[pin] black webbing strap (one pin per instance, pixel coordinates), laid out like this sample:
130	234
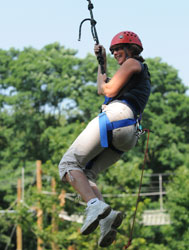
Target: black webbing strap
94	35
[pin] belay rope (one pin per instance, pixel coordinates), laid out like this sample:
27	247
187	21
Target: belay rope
101	63
94	35
139	191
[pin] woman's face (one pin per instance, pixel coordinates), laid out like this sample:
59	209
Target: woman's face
119	54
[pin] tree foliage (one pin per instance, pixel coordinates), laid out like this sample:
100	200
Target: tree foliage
47	97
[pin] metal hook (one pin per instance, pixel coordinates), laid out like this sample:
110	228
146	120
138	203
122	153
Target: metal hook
80	26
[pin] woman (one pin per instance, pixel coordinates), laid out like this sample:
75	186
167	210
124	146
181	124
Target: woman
109	135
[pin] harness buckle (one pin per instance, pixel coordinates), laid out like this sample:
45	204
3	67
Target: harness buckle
139	130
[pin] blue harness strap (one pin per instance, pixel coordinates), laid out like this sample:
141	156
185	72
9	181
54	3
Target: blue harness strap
107	99
105	126
103	121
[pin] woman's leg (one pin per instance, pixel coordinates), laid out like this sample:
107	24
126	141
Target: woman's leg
97	192
103	161
110	223
85	148
96	209
80	183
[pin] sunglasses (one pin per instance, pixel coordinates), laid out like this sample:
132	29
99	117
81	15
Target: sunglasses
116	49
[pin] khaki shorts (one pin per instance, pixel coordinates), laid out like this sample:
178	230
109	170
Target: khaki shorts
87	145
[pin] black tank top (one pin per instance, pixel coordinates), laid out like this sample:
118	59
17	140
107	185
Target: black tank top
137	91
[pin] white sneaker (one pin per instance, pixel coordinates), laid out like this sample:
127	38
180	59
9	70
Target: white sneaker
108	228
94	213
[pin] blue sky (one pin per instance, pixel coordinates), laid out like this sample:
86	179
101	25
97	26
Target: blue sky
162	26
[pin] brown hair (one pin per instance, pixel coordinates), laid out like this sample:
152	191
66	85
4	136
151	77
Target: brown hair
135	51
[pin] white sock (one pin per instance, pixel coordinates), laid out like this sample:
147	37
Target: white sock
92	201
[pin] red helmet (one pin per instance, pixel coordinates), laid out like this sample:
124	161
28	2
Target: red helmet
126	37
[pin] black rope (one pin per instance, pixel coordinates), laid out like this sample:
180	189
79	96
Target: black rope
94	35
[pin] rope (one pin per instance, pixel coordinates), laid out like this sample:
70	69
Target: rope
138	197
12	233
94	35
8	209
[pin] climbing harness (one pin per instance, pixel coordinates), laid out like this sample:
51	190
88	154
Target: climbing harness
94	35
105	126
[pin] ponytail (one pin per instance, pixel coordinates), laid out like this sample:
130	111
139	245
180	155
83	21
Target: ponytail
135	51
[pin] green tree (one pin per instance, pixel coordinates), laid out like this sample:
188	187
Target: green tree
47	97
177	235
166	116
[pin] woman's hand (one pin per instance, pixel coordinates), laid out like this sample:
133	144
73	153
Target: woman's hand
101	79
98	48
